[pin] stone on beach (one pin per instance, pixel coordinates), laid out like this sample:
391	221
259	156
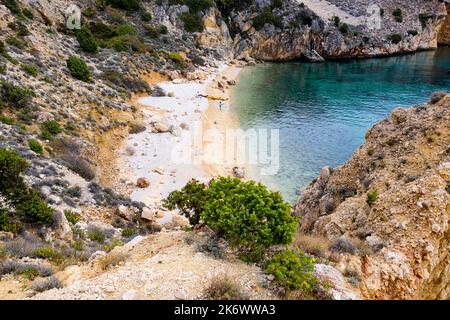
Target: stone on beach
143	183
160	127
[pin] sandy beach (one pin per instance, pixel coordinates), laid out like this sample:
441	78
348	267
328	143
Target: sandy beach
191	113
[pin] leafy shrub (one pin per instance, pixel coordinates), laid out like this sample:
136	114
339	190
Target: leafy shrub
2	68
7	120
96	234
11	166
49	129
293	270
190	200
146	16
86	40
342	245
372	197
71	216
129	5
129	232
13	41
395	38
266	16
224	288
343	28
35	146
78	69
34	209
102	31
13	6
246	213
398	15
336	20
30	70
30	270
4	218
46	284
15	96
49	253
191	22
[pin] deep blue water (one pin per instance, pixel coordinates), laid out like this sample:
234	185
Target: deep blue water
323	110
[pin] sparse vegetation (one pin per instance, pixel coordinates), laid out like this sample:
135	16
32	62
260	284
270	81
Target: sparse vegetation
293	270
78	69
41	285
398	15
35	146
112	259
224	288
372	197
71	216
86	40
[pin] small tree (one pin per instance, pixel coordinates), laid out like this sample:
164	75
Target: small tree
86	40
78	69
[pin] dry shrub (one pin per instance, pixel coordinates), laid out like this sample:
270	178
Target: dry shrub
135	128
112	259
224	288
312	244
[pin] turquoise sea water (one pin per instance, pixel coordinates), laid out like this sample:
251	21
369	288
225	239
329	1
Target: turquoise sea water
324	110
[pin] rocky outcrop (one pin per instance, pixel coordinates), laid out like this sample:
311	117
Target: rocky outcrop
444	32
294	31
391	201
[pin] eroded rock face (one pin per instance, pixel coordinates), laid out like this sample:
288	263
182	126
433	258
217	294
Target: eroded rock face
300	32
393	197
444	32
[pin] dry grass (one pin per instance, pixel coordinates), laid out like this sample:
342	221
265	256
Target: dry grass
112	259
224	288
312	244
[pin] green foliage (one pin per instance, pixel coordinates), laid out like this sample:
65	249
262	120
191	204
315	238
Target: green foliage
13	41
2	68
15	96
35	146
190	200
30	69
413	33
49	253
293	270
246	213
129	232
7	120
13	6
128	5
71	216
11	166
86	40
343	28
78	69
372	197
96	234
191	21
33	209
49	129
395	38
336	20
398	15
266	16
4	218
146	16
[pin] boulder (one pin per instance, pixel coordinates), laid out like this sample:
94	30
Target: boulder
148	214
238	172
160	127
143	183
61	226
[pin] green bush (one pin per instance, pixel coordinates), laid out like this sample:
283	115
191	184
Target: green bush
146	16
266	16
34	209
395	38
191	22
12	6
293	270
246	213
27	13
78	69
51	127
128	5
71	216
11	166
96	234
336	20
4	218
398	15
35	146
30	69
343	28
15	96
13	41
372	197
2	68
7	120
129	232
49	253
86	40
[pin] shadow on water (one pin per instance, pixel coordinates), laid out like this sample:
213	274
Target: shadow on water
323	110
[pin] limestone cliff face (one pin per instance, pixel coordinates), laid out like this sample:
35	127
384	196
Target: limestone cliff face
444	33
293	31
392	201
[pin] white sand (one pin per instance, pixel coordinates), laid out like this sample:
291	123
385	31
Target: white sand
162	150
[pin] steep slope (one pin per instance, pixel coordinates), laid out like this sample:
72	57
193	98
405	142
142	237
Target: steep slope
391	201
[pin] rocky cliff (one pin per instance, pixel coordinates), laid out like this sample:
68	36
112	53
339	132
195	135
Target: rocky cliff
388	207
444	33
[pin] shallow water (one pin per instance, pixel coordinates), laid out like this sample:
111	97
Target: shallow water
324	110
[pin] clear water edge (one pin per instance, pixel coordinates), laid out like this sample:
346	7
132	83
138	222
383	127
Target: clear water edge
323	110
